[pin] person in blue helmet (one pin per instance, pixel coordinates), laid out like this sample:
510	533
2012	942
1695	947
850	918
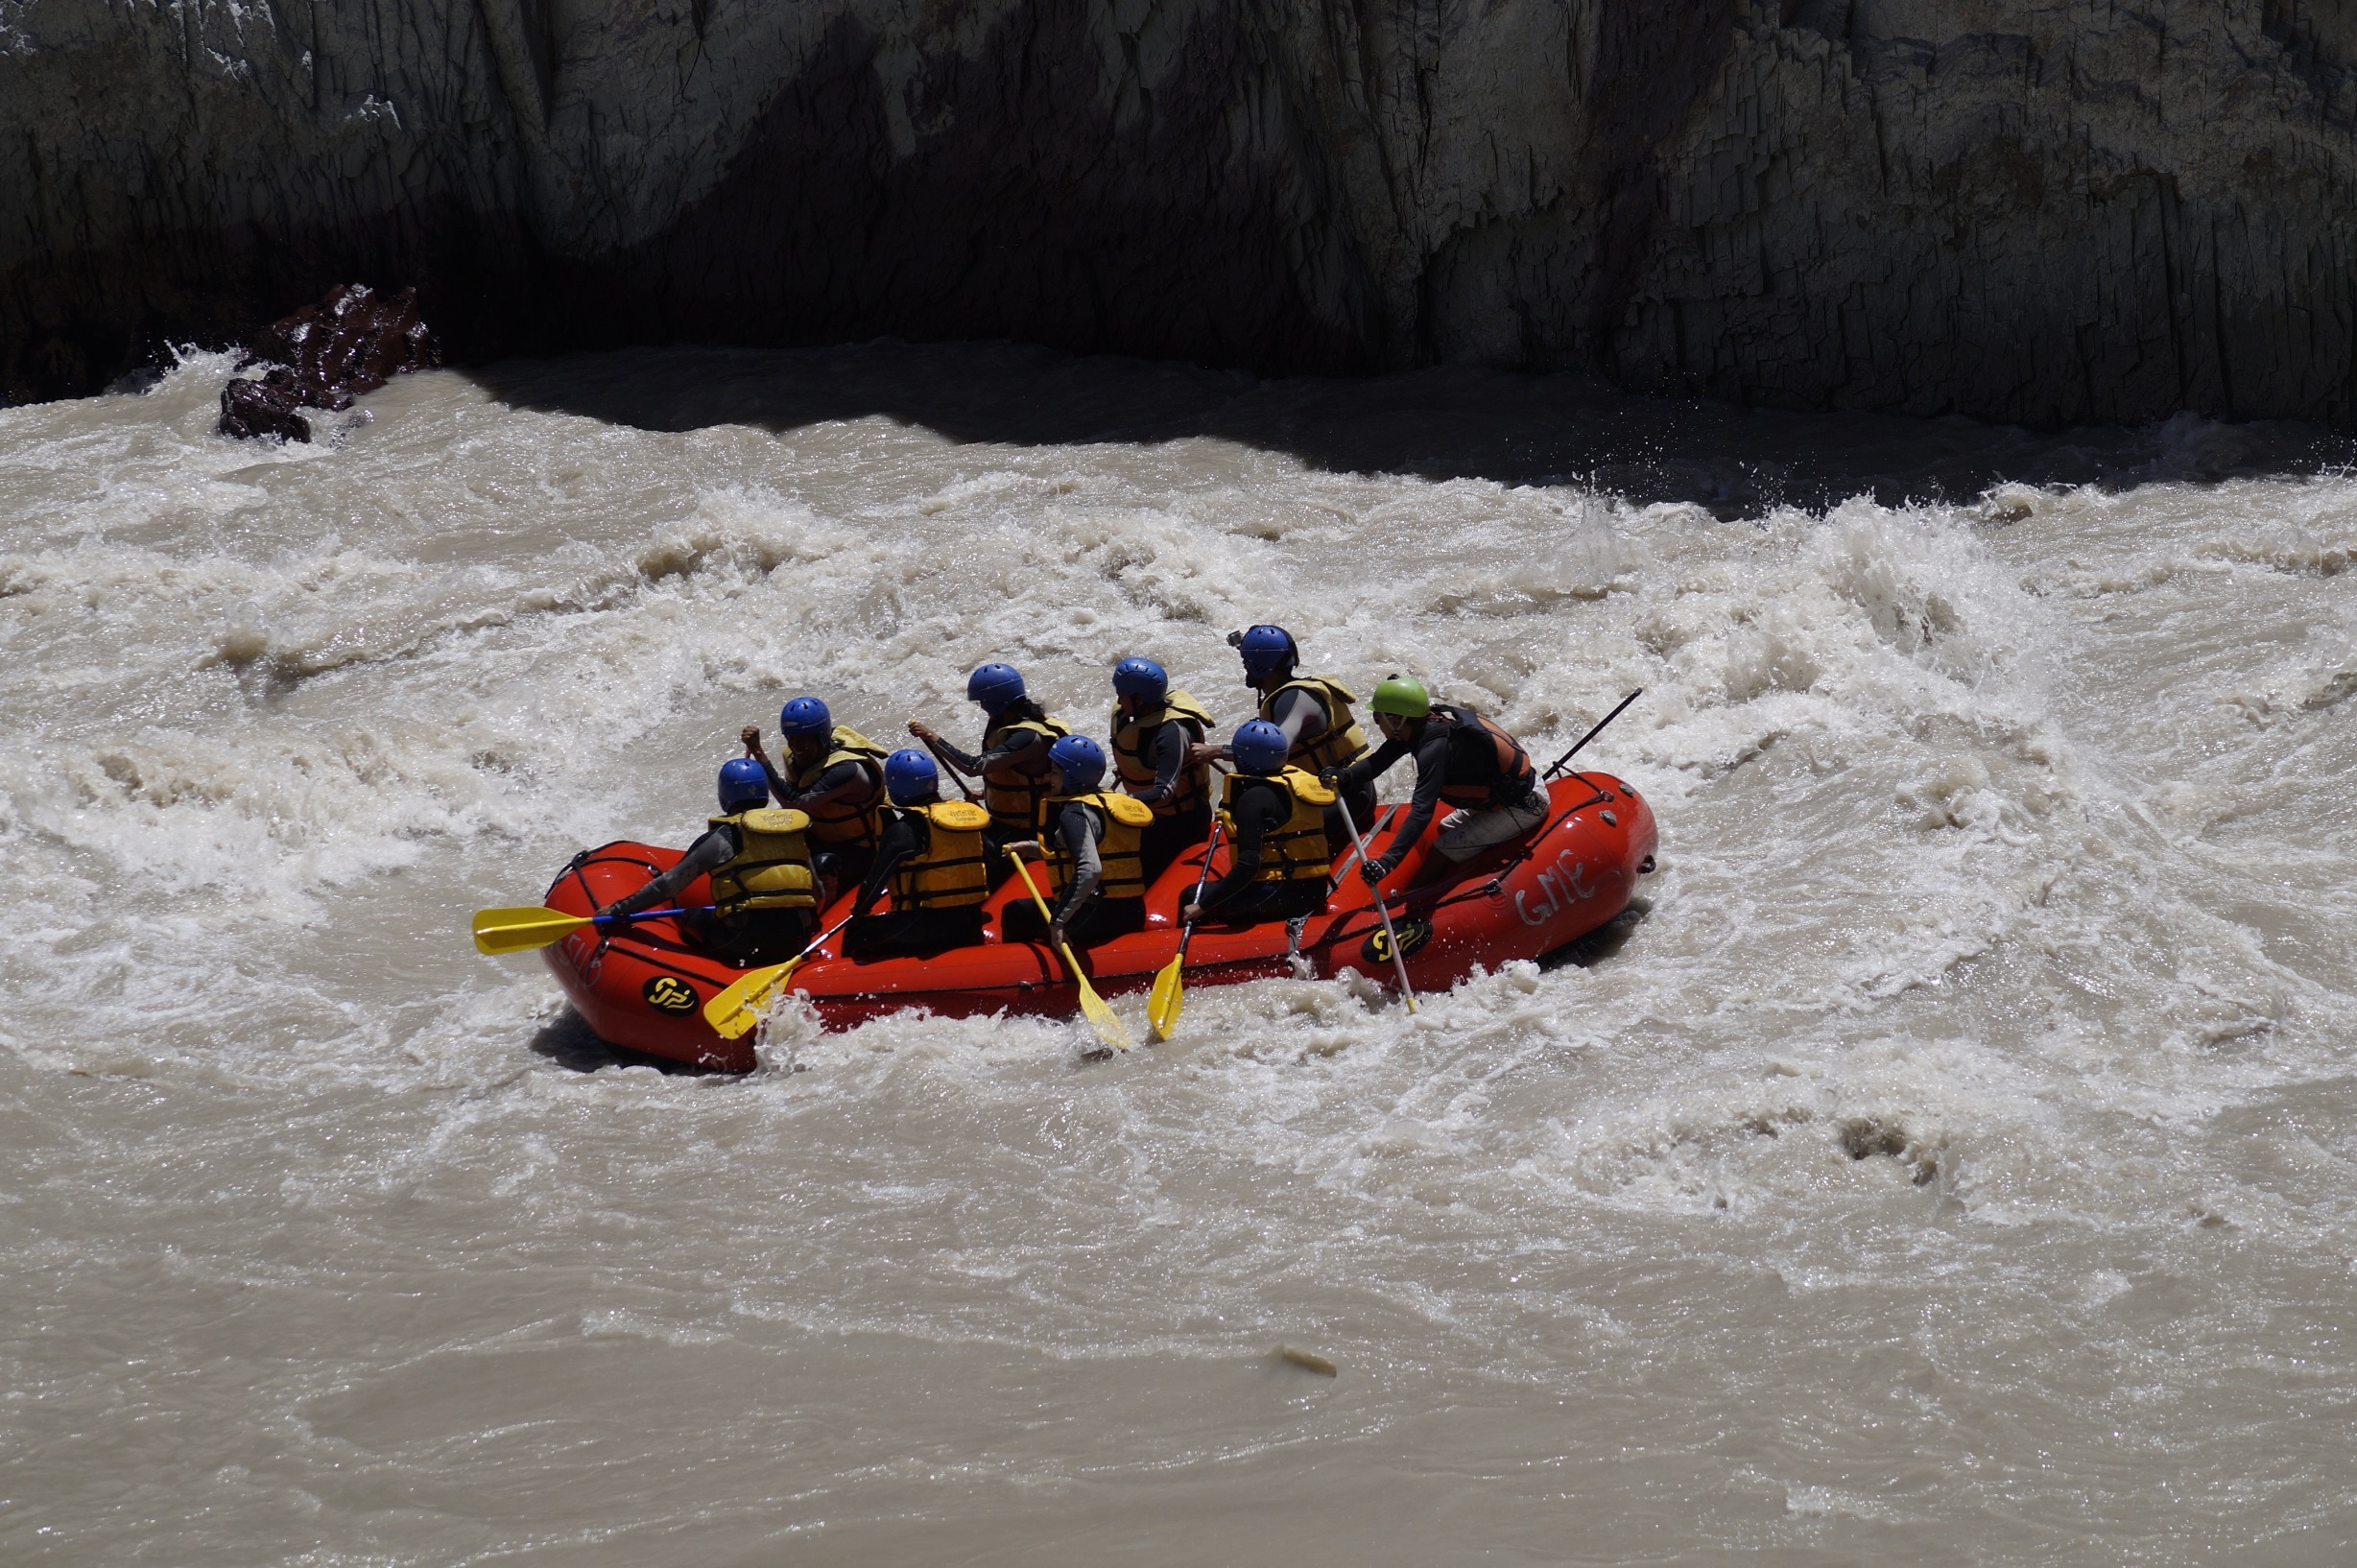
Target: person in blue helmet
764	889
1012	764
1154	730
1088	846
1274	818
836	774
932	858
1315	713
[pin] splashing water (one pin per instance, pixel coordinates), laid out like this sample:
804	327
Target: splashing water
1954	1162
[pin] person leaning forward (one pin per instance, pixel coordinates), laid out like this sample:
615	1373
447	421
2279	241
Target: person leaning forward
1154	730
1274	819
836	774
1461	758
1320	734
758	858
1088	846
932	856
1012	764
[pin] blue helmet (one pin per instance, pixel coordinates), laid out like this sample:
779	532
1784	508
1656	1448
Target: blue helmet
1081	762
1267	649
909	775
1142	678
996	686
743	785
804	716
1259	747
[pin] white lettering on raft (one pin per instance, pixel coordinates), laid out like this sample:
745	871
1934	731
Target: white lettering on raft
1573	887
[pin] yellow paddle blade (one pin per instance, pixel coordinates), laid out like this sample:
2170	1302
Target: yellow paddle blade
736	1009
1168	996
1109	1028
523	928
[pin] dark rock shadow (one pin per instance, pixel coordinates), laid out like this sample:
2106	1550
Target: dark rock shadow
1454	423
571	1044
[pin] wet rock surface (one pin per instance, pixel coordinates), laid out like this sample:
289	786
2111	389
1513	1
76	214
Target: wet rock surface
2045	212
324	355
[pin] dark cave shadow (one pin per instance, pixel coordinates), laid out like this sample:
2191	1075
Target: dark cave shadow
1454	423
568	1042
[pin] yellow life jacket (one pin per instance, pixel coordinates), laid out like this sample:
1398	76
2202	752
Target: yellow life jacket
772	867
949	874
1296	852
845	822
1133	751
1014	793
1340	743
1124	872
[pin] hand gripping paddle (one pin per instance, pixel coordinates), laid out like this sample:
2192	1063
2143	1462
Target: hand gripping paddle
1168	995
1109	1028
738	1009
523	927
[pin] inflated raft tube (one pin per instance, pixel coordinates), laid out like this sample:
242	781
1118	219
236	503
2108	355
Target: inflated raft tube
644	986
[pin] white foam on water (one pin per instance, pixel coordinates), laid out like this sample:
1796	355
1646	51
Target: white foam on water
1986	1009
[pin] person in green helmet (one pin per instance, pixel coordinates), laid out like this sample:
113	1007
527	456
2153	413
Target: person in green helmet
1461	759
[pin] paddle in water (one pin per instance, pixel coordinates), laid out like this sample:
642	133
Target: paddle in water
1109	1028
520	928
736	1009
1169	996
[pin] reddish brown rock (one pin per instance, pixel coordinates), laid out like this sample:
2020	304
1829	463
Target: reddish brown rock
324	356
268	407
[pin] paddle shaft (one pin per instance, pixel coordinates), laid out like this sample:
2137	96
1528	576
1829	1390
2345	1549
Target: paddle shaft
1072	965
1050	918
1566	757
1399	959
1048	915
1351	859
1211	847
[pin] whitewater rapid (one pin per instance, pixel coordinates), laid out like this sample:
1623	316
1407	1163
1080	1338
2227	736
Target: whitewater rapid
1952	1162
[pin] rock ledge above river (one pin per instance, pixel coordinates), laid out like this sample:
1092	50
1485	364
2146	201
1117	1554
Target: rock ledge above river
2053	213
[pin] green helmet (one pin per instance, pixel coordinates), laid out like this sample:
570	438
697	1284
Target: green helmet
1401	698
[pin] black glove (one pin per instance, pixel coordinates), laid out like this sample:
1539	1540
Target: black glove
1375	870
1331	778
614	914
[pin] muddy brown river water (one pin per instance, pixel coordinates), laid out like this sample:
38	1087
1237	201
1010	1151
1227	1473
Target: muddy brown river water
1955	1163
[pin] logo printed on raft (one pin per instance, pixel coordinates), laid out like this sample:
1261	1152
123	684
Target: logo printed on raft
1564	886
1413	935
664	995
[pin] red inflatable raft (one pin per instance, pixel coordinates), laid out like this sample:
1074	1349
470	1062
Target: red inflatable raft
644	987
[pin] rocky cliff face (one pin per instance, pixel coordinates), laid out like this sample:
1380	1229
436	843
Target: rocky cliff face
2042	210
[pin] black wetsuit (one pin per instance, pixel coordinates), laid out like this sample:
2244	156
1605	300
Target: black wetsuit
1170	836
1259	807
1447	752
